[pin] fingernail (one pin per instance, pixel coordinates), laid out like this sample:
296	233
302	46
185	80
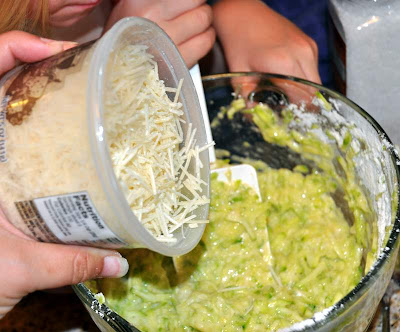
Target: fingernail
114	266
57	46
48	41
68	44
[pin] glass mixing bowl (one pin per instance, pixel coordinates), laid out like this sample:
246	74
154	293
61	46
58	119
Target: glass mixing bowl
376	168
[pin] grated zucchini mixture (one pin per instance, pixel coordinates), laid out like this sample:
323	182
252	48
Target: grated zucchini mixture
260	266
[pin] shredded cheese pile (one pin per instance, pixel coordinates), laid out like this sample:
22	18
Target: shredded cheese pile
151	158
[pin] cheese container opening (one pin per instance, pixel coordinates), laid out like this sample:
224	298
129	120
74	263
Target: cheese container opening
104	145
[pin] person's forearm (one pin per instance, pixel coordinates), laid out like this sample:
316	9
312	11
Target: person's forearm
237	18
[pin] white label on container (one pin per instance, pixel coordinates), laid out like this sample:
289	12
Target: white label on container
73	219
3	109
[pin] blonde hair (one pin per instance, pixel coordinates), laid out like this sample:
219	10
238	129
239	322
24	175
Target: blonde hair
24	15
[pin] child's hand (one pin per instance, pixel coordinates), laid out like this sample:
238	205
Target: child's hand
187	22
256	38
27	265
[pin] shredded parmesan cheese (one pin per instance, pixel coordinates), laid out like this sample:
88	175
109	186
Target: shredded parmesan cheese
150	155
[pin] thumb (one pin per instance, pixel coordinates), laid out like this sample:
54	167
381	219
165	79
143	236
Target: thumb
21	46
56	265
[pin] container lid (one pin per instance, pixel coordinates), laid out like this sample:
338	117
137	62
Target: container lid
172	69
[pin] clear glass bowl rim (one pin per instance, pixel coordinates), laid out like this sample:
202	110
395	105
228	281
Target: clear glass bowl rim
357	292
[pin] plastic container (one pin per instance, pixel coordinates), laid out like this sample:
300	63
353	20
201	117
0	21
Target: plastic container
57	181
365	57
354	311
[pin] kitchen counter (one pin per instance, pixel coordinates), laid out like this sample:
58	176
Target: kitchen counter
62	311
